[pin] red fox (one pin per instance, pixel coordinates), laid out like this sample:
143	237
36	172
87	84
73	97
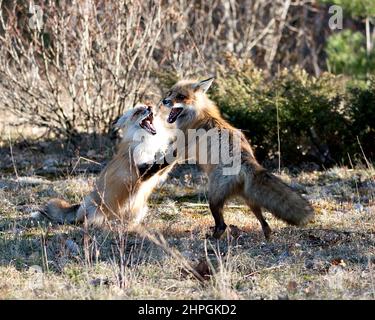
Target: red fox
190	108
122	190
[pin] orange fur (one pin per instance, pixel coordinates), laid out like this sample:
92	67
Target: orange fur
192	109
120	192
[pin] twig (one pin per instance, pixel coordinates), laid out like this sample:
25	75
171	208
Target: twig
11	154
262	270
79	159
369	166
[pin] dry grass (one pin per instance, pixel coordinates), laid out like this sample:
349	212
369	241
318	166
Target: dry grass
332	258
171	258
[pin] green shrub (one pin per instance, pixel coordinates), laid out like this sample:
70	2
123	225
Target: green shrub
346	54
361	103
356	8
310	119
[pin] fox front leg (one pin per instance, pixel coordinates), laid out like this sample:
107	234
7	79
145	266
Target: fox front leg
220	188
147	170
217	208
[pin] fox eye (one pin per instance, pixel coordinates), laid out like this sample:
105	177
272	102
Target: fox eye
138	112
180	96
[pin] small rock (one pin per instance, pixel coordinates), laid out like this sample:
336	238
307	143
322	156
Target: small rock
35	215
35	269
358	207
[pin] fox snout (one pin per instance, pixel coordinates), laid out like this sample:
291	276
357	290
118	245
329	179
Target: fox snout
176	107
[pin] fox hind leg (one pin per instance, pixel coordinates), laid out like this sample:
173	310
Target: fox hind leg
257	210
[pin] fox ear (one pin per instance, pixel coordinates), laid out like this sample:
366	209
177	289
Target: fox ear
204	85
120	123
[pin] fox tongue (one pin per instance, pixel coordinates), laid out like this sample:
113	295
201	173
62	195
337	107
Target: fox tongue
173	115
150	126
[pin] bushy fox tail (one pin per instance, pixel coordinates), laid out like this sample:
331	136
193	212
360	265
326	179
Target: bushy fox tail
60	211
271	193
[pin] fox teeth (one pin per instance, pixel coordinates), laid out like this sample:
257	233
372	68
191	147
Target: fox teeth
174	114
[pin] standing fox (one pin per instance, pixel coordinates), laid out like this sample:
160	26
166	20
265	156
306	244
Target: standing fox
123	187
190	108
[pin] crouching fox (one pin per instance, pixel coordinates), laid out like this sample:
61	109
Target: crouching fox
124	185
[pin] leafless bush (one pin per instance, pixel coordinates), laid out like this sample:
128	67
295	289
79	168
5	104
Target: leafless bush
80	66
198	33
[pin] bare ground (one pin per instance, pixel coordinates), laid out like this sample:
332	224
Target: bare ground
331	258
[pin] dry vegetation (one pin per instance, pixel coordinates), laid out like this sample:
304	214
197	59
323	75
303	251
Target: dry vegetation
76	67
77	75
332	258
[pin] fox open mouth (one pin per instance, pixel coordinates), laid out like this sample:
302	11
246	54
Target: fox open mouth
147	125
173	115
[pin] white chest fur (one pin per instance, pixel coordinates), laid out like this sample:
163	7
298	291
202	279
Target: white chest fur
146	147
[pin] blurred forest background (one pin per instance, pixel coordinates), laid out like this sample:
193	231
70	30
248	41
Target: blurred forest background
297	87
